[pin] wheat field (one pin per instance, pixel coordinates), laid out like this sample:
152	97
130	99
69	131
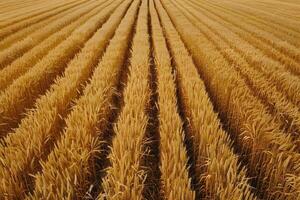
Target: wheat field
150	99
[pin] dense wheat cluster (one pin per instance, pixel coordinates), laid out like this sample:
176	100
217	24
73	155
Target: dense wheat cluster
150	99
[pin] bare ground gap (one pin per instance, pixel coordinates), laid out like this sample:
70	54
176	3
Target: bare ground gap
151	160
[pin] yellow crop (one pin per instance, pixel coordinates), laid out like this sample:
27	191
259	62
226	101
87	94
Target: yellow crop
22	91
175	181
131	126
150	99
69	167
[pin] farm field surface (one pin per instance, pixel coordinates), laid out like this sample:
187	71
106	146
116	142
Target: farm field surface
150	99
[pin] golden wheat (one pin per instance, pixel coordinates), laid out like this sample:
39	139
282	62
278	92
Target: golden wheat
290	24
210	141
24	90
285	81
273	46
68	169
130	128
48	110
175	180
30	58
256	132
150	99
40	22
17	17
277	103
280	31
16	36
18	48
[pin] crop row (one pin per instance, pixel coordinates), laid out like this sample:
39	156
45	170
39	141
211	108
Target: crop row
269	153
149	99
